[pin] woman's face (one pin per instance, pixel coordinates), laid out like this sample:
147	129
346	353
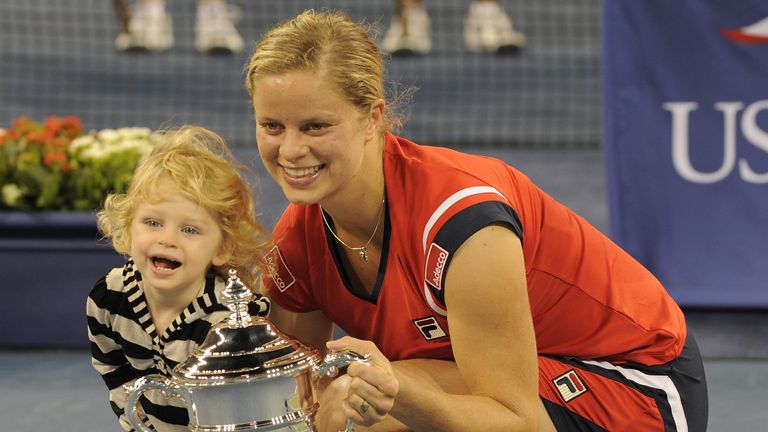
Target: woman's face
312	140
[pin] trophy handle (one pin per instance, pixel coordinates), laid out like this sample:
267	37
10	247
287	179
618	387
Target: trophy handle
333	362
338	359
141	385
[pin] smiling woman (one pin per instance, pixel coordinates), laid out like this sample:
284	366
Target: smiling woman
472	255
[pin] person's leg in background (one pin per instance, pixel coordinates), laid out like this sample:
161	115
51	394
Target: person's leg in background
150	28
487	29
409	31
215	30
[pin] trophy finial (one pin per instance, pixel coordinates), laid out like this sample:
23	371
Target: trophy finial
236	297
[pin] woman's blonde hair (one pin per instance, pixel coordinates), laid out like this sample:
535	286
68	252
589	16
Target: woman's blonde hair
200	165
329	43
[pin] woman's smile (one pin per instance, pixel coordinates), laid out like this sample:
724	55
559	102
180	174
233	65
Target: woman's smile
311	139
302	177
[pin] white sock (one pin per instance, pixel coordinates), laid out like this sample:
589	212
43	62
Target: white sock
212	9
153	8
484	8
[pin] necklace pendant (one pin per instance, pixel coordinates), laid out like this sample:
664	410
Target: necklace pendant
363	254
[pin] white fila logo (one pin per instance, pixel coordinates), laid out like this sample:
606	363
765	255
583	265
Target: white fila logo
569	385
430	328
433	270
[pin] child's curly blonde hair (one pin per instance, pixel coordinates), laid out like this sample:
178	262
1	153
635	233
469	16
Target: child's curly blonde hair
199	163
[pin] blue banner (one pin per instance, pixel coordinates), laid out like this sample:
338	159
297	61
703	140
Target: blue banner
686	144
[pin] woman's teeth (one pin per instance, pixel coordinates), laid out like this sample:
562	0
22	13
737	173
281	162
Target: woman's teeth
301	172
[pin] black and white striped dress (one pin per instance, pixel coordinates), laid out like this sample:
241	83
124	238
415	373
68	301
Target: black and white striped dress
126	346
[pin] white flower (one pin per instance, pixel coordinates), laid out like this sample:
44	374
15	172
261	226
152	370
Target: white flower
108	143
11	194
135	132
79	143
107	135
94	152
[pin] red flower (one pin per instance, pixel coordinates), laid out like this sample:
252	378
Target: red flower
59	141
68	126
54	158
53	125
41	137
23	126
12	135
73	126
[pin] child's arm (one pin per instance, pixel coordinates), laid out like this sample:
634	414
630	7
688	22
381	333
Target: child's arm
106	353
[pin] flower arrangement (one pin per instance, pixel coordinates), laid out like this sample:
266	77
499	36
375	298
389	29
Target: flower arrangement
34	162
57	166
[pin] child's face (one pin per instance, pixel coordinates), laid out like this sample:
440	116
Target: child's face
174	242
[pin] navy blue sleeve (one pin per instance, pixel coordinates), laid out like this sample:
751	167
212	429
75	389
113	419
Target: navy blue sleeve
467	222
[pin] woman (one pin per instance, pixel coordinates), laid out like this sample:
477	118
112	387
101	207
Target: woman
485	304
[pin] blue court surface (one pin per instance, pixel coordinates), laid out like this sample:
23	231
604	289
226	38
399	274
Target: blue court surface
58	391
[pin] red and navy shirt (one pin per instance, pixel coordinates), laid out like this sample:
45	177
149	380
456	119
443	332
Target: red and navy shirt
588	297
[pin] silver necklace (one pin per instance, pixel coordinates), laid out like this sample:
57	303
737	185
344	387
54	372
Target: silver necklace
362	250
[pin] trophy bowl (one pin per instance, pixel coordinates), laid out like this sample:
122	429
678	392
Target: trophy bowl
245	376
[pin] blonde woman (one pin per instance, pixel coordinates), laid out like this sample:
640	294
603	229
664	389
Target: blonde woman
485	304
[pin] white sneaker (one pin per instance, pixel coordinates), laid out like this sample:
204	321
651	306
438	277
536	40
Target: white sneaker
146	32
409	33
215	32
488	29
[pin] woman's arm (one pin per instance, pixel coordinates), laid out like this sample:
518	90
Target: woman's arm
435	375
432	376
311	328
493	344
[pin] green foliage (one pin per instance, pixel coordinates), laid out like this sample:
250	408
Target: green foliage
55	166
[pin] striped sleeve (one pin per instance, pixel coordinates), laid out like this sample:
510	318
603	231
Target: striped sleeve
107	354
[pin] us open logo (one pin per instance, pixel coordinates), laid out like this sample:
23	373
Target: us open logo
569	385
433	271
430	328
278	271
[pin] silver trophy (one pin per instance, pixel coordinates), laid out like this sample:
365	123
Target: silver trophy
245	376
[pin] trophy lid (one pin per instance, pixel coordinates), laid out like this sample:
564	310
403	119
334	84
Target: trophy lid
243	347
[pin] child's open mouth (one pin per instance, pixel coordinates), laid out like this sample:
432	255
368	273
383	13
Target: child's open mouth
165	263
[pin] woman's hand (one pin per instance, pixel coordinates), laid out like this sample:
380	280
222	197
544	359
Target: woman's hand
331	417
370	388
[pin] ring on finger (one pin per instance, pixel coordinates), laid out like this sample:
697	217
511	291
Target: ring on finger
364	407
